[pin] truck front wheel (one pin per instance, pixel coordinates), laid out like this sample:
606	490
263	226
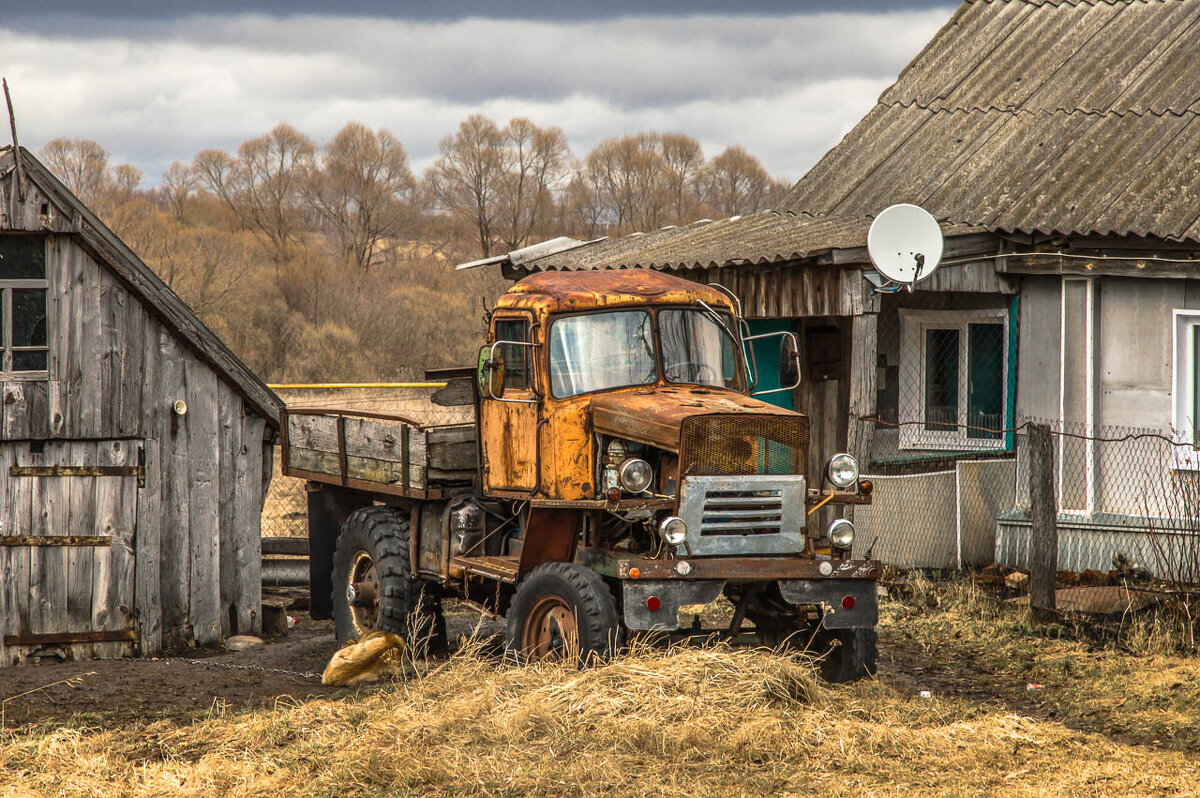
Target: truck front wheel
563	611
374	589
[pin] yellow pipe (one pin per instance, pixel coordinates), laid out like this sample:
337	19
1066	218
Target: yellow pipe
821	503
298	386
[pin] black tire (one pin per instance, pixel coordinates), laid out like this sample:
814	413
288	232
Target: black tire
849	654
374	542
578	595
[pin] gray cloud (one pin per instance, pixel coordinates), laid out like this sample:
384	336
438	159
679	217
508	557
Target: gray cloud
88	11
785	87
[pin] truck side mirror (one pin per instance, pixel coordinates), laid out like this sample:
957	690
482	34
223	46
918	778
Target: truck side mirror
789	362
490	373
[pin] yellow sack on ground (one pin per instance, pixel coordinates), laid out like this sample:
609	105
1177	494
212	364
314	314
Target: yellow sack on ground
375	656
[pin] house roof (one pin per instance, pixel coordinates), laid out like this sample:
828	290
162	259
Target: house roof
760	238
1035	116
143	283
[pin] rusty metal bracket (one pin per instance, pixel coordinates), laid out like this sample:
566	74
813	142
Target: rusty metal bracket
55	540
77	471
58	638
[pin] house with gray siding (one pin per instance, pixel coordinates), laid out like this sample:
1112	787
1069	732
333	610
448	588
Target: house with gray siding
135	448
1058	145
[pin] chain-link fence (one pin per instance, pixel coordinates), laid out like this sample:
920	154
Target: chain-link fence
285	511
1126	504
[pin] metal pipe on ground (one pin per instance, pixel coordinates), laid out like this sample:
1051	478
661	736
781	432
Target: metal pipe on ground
284	571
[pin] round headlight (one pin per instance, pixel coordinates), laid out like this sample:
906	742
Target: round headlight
673	530
841	533
842	470
635	475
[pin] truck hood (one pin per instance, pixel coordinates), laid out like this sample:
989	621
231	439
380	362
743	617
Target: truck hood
655	415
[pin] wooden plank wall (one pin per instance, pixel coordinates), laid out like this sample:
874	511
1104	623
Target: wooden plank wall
115	372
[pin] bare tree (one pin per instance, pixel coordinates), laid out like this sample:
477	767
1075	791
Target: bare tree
124	181
178	184
469	176
535	161
362	192
82	165
738	184
582	206
683	167
630	179
262	185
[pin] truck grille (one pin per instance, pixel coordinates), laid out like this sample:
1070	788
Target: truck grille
743	514
718	445
737	512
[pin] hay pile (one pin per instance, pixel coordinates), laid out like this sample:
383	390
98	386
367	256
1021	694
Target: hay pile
686	721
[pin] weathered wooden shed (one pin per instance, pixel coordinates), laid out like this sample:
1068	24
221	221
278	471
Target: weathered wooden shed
135	447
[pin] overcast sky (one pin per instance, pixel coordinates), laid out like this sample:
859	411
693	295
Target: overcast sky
153	84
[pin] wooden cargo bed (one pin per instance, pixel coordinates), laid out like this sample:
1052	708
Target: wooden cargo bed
376	452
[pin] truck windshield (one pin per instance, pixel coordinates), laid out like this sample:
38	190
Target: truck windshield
600	351
696	350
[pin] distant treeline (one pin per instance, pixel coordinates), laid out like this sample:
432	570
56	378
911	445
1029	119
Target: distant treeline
336	262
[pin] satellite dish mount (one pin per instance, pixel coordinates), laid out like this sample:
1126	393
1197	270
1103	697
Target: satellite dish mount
905	245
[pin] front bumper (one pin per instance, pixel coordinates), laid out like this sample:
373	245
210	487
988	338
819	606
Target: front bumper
747	569
801	580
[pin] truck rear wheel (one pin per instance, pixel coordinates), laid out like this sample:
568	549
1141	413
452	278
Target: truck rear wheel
849	654
563	611
374	589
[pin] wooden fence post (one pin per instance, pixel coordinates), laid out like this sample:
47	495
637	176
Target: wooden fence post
1044	516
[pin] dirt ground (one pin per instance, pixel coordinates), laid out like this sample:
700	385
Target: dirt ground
185	686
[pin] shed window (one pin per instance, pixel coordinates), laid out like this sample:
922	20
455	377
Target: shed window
23	290
953	379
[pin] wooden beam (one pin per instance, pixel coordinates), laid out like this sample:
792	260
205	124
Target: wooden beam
1044	515
55	540
863	385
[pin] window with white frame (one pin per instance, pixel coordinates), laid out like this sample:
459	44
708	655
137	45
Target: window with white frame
23	319
1185	387
953	379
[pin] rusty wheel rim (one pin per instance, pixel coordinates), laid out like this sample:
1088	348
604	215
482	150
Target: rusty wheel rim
551	630
362	594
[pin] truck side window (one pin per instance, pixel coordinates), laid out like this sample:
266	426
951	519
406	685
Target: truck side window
516	358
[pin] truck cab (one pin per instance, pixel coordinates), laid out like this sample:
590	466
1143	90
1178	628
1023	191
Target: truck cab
624	472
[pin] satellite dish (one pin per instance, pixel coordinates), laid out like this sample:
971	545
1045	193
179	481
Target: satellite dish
905	243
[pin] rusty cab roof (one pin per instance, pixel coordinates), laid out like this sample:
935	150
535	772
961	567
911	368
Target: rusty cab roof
567	292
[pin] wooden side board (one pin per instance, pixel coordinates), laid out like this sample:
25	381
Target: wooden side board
395	453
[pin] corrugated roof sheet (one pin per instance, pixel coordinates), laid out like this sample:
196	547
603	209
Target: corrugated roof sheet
766	237
1070	117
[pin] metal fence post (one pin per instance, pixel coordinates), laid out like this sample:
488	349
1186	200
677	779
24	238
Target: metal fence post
1044	515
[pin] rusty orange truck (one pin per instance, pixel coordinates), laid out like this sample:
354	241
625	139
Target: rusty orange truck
618	469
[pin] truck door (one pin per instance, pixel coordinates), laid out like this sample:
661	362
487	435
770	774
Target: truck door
508	423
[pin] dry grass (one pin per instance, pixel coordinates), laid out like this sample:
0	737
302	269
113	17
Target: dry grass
1135	687
687	721
683	721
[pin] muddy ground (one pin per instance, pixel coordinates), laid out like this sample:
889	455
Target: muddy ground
198	682
188	685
